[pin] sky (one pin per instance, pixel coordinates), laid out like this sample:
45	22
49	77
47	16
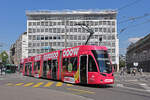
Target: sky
133	17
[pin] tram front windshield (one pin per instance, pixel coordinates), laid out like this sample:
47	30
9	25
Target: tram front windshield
103	61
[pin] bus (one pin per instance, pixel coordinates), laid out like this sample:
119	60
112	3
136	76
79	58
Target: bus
85	64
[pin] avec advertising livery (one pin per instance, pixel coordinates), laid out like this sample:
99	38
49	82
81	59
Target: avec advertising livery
85	64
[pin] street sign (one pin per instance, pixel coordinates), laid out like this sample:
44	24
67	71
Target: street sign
135	64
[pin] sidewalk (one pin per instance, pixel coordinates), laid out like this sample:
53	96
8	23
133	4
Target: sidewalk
128	77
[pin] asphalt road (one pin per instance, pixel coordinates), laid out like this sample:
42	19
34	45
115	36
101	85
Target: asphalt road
18	87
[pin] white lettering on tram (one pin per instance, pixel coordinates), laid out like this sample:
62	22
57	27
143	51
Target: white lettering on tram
51	56
70	52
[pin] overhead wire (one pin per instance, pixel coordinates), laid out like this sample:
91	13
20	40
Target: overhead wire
129	4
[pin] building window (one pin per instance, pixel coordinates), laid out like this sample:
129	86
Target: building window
30	44
38	30
38	23
42	30
42	37
46	23
113	29
34	23
46	43
46	30
46	37
30	37
50	37
38	37
42	23
30	23
30	30
42	43
34	37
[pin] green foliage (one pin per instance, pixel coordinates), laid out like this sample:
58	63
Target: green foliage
4	57
121	63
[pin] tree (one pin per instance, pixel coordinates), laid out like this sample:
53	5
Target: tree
121	61
4	57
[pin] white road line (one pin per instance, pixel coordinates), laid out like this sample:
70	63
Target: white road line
119	85
147	89
145	86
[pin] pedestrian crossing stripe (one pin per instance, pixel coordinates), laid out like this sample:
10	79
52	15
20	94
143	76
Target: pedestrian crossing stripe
48	84
38	84
18	84
28	84
9	84
59	84
69	84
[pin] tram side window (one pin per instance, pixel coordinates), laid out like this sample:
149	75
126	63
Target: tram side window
92	65
30	66
70	64
45	66
49	65
26	65
37	66
55	63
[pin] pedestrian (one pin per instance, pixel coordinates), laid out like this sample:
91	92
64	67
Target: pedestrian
122	71
141	71
134	71
1	69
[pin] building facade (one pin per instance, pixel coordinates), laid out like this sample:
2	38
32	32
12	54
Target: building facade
19	50
55	30
139	54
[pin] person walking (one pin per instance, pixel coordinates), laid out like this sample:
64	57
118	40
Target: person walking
141	71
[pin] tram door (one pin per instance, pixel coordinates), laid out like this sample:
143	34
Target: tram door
54	69
83	69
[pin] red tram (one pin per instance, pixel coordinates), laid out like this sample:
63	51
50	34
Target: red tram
85	64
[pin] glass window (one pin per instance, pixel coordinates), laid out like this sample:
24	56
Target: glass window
45	68
37	67
50	37
30	30
91	64
38	30
42	30
46	23
38	23
46	37
34	37
42	37
102	60
46	30
30	44
30	23
30	37
70	64
38	37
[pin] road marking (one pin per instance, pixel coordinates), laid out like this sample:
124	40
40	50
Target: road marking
119	85
145	86
38	84
82	91
59	84
28	84
18	84
9	84
69	84
48	84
